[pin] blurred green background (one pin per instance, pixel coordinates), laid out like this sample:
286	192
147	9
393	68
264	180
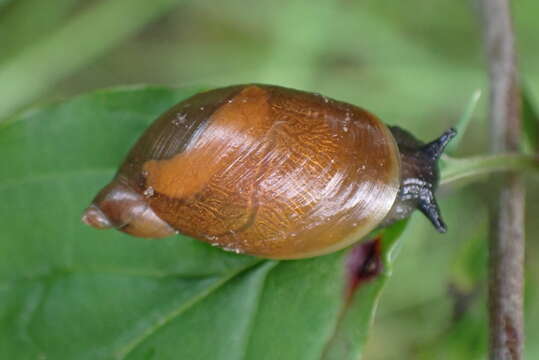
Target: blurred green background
414	63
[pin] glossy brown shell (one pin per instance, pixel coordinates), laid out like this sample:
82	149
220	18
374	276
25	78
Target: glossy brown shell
267	171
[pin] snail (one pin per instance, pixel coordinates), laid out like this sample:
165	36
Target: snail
271	172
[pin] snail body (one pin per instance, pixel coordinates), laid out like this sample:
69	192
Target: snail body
270	171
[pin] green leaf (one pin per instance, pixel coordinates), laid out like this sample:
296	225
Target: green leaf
530	121
44	17
464	121
34	70
358	313
68	291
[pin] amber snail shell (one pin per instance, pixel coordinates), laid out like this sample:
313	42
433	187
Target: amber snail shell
270	171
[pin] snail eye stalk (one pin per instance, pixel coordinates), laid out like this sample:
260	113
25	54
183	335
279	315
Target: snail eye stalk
436	148
429	208
427	204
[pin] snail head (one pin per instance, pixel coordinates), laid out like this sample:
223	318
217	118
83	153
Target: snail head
419	177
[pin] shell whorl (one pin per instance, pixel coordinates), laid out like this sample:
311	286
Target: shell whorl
268	171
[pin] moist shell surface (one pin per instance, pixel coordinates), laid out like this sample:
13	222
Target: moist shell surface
267	171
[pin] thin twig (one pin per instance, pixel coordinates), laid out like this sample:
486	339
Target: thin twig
507	222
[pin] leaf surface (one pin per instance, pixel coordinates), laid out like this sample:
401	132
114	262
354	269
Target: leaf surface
68	291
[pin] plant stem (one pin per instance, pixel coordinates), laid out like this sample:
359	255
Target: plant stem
506	261
469	168
81	40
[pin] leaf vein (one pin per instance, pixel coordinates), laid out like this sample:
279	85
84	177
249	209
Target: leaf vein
136	341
